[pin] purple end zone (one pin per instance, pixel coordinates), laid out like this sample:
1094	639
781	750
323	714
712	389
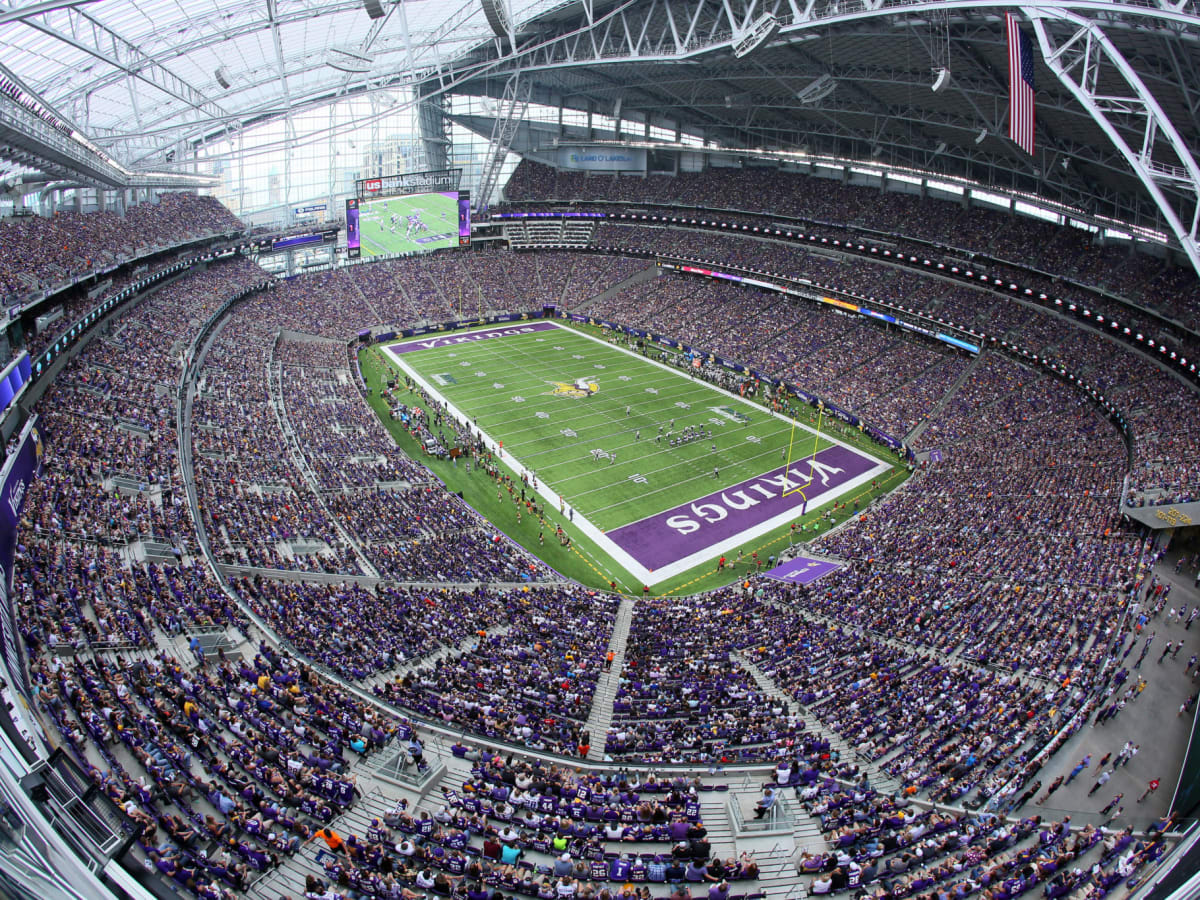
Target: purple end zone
691	527
803	570
432	341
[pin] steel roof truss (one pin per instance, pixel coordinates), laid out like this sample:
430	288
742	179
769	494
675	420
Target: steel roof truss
1078	62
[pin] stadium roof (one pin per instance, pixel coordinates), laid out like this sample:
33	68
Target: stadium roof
137	76
1118	84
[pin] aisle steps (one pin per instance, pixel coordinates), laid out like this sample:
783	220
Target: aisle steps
600	718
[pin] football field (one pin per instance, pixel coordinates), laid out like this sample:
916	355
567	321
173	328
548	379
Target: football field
391	225
660	469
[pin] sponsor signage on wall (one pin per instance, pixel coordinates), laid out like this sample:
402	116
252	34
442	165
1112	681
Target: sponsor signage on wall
22	467
602	159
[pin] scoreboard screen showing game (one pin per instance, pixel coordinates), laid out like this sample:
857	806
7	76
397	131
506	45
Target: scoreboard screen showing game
404	223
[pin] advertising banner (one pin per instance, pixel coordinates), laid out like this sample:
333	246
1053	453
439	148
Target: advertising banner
602	159
22	467
353	235
803	570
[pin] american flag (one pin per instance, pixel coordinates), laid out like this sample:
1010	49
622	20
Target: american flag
1020	85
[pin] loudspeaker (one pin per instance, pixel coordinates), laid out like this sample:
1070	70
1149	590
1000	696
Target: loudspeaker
222	75
942	79
374	8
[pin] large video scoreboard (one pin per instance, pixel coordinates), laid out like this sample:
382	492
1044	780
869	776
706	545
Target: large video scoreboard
387	217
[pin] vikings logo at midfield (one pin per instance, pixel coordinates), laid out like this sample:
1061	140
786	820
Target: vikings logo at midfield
581	387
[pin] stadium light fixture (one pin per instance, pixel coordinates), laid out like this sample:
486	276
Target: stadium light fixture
817	90
759	32
497	17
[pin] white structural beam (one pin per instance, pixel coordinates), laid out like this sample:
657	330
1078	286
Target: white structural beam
129	60
661	30
36	9
1085	60
656	30
631	31
511	112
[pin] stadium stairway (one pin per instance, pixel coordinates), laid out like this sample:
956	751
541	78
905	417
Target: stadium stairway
300	461
919	428
879	780
646	274
466	644
716	819
365	299
288	879
600	718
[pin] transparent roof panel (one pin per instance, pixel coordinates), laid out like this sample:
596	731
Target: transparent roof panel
141	76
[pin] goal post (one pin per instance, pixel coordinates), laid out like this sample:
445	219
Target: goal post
791	447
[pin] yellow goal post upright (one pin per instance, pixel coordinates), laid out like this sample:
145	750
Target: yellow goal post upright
791	444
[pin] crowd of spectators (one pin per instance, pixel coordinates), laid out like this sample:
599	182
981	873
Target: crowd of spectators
112	486
592	825
245	759
683	697
1062	255
531	683
934	726
358	632
450	286
110	423
409	526
886	846
40	252
1021	506
1166	454
256	504
342	438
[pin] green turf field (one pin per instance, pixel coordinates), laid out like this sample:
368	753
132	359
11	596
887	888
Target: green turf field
602	452
379	234
590	421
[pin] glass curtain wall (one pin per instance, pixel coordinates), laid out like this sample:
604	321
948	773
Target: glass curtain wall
270	173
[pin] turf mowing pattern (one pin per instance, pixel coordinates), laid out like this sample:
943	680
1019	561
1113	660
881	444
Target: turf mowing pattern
583	417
